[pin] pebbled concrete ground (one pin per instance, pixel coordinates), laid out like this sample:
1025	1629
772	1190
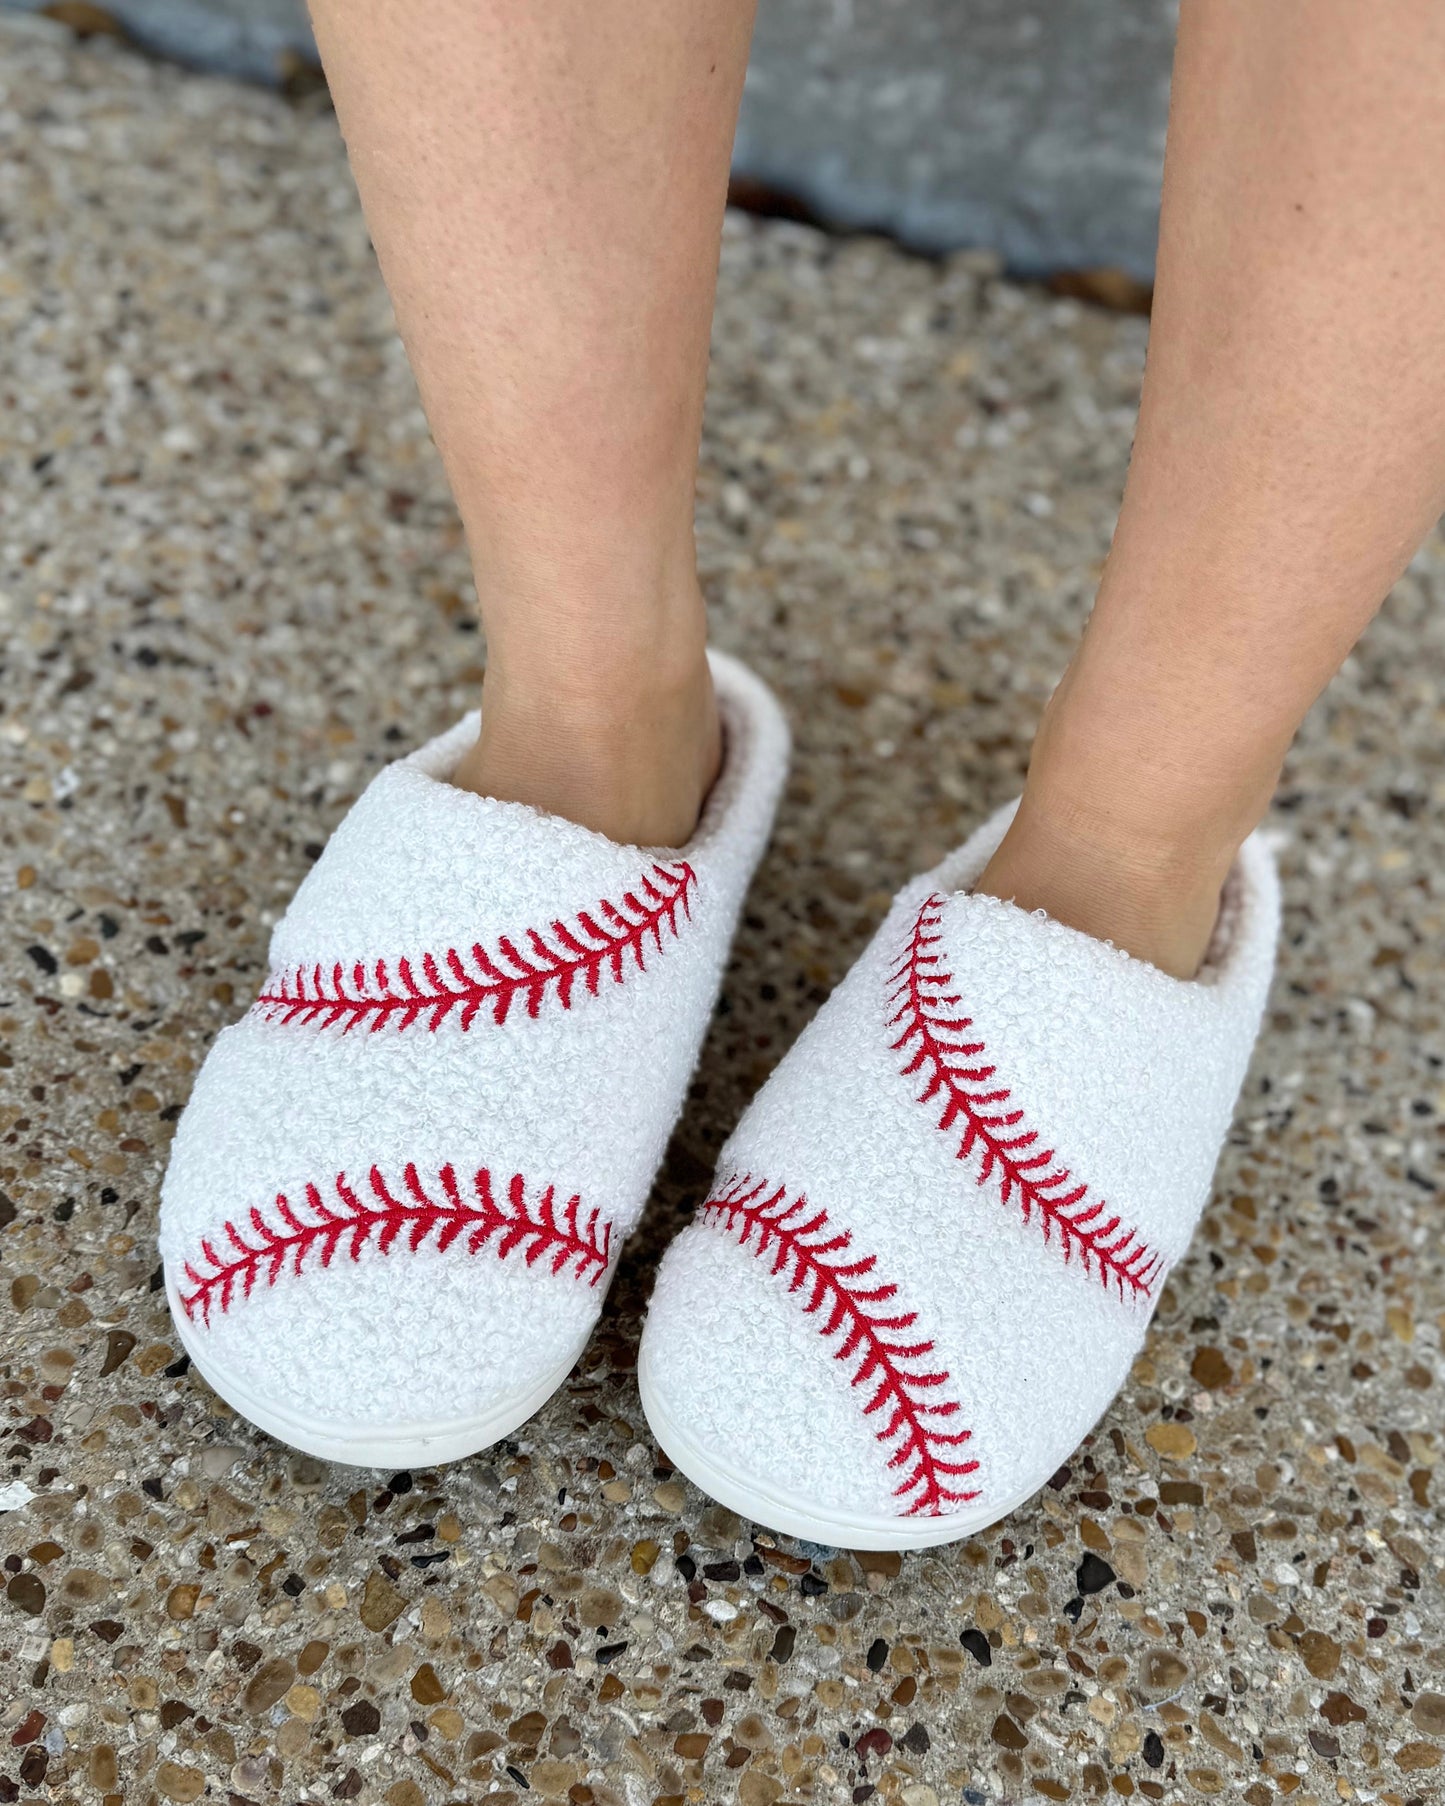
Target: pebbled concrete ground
232	585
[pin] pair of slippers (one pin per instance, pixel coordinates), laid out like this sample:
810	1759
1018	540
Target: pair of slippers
934	1242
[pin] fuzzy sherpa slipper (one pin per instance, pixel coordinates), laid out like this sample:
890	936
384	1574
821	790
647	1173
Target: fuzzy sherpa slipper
399	1190
936	1238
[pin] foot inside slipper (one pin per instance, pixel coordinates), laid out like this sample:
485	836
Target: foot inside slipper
398	1193
935	1241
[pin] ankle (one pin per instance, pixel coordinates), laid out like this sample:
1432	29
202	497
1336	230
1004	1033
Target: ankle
1154	894
627	746
1136	804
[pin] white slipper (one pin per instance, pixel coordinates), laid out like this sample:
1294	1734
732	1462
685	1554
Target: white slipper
938	1234
399	1190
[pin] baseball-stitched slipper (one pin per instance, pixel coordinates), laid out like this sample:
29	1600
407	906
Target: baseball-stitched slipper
399	1190
936	1238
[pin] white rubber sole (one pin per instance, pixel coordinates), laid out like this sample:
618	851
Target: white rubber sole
793	1516
408	1445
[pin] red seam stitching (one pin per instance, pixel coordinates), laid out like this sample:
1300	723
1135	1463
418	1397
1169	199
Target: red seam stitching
956	1071
612	938
843	1287
560	1234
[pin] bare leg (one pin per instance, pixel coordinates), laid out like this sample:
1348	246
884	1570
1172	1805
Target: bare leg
1290	457
545	187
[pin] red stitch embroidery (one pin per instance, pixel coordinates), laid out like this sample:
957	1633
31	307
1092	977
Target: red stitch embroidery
559	1234
613	938
815	1256
935	1037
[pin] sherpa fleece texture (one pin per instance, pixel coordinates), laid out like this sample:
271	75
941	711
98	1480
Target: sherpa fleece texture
402	1182
935	1240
